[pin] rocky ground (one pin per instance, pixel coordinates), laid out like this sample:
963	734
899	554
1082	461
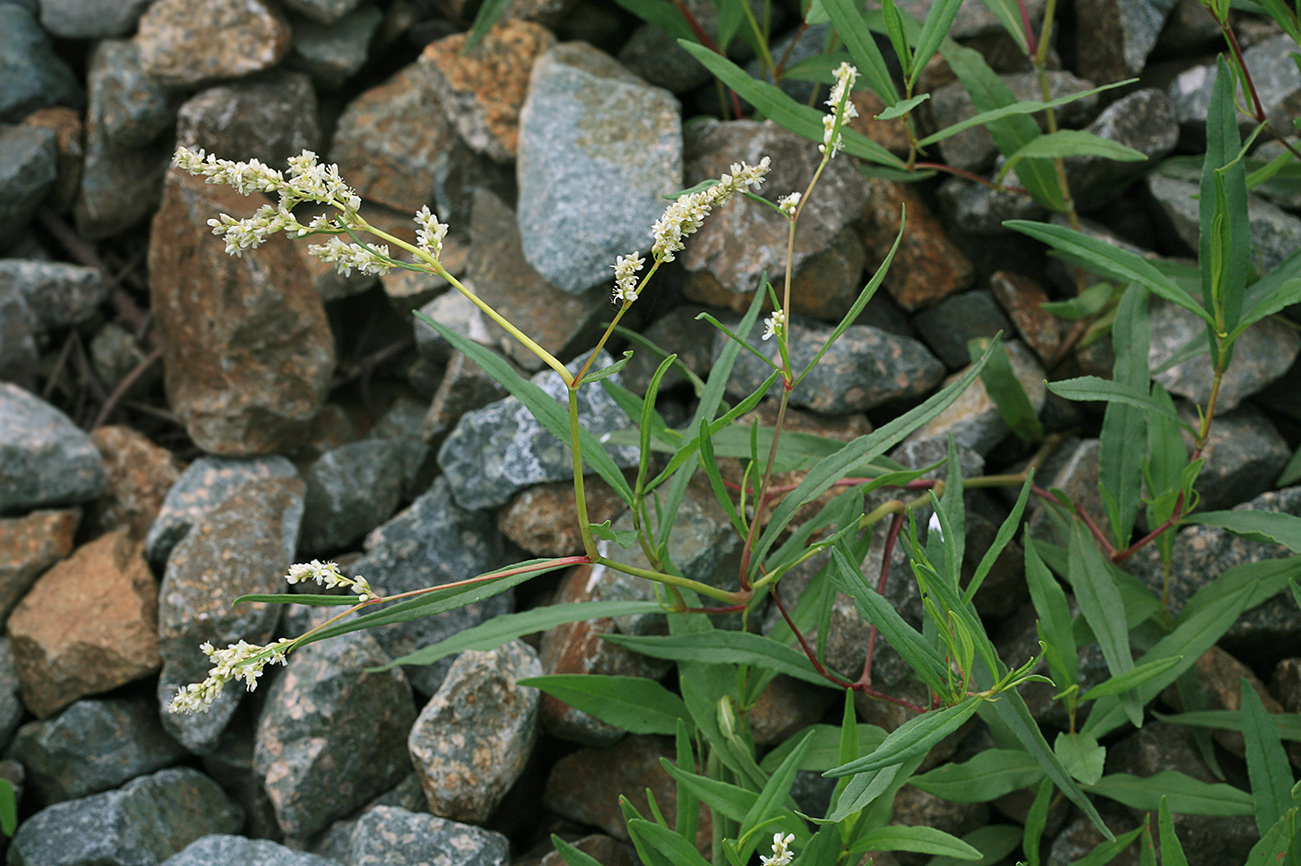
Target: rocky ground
178	426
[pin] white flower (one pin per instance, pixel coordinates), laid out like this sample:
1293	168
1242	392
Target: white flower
430	232
774	324
840	109
328	575
781	855
934	526
687	214
625	276
234	662
788	203
345	257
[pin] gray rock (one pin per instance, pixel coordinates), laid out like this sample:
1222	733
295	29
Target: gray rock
44	458
498	450
678	332
597	146
390	836
28	168
474	737
863	369
1121	34
1262	354
146	821
1143	120
947	326
93	746
332	736
238	851
431	543
976	208
34	76
973	18
12	710
1244	454
401	427
96	19
350	490
324	11
18	355
242	547
464	388
1275	234
58	294
203	486
1190	94
270	119
127	106
115	353
655	56
333	53
1073	469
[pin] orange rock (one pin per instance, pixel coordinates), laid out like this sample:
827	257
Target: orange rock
28	546
139	476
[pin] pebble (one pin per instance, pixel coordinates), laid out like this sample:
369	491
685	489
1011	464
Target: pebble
28	169
238	851
1143	120
35	77
19	358
58	294
350	490
97	19
391	836
473	739
523	452
333	53
269	119
247	350
949	325
400	426
88	624
1121	34
28	546
44	459
597	146
69	129
182	45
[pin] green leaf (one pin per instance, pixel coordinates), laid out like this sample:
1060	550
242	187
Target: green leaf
1105	852
501	629
723	647
1267	763
625	538
1103	609
688	805
903	108
1054	613
1270	527
1287	726
1291	472
898	40
1272	293
1224	245
1008	15
989	775
1081	755
1278	847
638	705
1089	302
917	736
731	801
938	21
665	17
1123	440
1092	388
847	19
1070	142
668	845
1122	683
489	14
549	412
919	839
1011	109
1110	261
993	841
8	808
1187	795
1035	822
1006	531
1006	391
800	119
296	598
571	855
608	371
1172	850
771	801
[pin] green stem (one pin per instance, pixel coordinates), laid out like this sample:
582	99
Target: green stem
674	580
580	498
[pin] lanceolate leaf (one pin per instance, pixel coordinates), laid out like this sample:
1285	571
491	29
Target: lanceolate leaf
1123	444
1288	726
989	775
914	737
638	705
1118	685
847	18
1054	613
923	840
1186	794
1267	764
1224	245
723	647
1071	142
1271	527
571	855
1103	609
938	20
1024	106
1094	388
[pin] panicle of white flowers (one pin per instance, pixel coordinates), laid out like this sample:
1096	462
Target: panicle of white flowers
625	276
686	215
430	232
774	324
788	203
227	664
840	109
245	177
328	575
311	181
345	257
252	232
781	854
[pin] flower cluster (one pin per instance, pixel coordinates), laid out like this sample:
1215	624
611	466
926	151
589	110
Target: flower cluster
788	204
234	662
686	215
430	232
327	574
345	257
625	277
774	325
781	854
840	109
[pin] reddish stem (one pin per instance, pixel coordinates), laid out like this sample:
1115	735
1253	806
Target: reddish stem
896	524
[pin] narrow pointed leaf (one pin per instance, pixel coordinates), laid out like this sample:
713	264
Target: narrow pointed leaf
1103	609
914	737
1267	764
638	705
989	775
1187	795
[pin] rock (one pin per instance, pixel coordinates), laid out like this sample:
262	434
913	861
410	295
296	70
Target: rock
914	807
87	625
1244	454
248	352
332	736
18	355
332	53
12	710
93	746
678	332
927	267
28	169
948	326
128	107
269	119
324	11
865	368
115	354
206	484
542	519
35	77
1190	94
390	835
742	240
233	850
139	476
69	131
1022	299
519	450
183	46
350	490
474	737
431	543
28	546
401	427
973	19
892	134
655	57
973	419
1072	469
242	547
146	821
784	708
57	294
1143	120
465	387
44	459
596	148
976	208
1221	677
1121	33
484	90
1261	355
98	19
